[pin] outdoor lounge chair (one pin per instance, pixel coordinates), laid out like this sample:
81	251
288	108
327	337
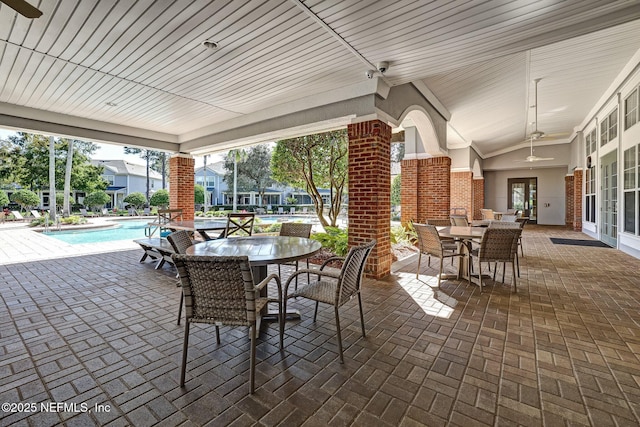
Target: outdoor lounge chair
332	288
17	216
219	290
86	214
36	214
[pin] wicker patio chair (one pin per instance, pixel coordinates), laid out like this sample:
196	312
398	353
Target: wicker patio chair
334	288
180	240
430	243
487	213
459	220
498	245
239	223
511	225
295	229
522	221
220	291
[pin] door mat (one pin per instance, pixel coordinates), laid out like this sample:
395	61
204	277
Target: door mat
579	242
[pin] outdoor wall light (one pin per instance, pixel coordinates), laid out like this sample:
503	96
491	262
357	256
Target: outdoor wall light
210	44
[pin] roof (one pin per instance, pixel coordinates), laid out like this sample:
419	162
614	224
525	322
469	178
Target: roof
217	167
123	167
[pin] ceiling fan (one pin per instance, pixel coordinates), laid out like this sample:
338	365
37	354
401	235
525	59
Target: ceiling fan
536	134
23	8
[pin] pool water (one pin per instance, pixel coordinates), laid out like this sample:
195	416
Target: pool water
125	230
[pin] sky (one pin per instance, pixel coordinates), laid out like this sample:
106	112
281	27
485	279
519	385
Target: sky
116	152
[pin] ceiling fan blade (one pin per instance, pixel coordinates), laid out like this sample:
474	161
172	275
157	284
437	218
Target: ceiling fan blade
23	8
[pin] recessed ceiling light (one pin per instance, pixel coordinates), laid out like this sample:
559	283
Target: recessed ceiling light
210	44
111	104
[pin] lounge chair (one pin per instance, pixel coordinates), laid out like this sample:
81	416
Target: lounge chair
36	214
292	210
17	216
106	212
86	214
280	210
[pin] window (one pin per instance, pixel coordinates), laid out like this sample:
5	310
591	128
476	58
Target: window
590	142
631	109
609	128
110	179
590	196
629	183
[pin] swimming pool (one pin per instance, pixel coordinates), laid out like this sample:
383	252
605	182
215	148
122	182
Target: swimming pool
124	230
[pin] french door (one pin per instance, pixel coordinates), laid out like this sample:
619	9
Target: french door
523	195
609	200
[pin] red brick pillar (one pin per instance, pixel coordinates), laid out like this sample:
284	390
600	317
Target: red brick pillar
434	188
370	192
181	177
569	210
478	198
408	191
462	191
577	199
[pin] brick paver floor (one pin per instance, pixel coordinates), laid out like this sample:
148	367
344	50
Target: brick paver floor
100	330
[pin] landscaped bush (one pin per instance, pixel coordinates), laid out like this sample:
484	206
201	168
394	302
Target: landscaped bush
335	239
27	199
73	220
39	222
4	199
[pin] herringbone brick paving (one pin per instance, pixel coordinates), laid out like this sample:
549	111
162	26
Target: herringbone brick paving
101	329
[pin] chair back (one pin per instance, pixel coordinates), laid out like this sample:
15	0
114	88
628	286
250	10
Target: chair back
429	240
459	220
503	224
499	244
217	289
239	223
168	215
17	215
508	218
522	220
296	229
487	214
352	270
180	241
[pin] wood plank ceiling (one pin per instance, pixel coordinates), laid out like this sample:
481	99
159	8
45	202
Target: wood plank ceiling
142	64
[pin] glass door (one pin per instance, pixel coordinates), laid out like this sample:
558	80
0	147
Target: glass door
523	195
609	205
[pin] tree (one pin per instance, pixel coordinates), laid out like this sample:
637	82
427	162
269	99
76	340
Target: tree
160	198
153	159
66	206
4	199
27	199
397	151
253	171
395	191
97	200
137	200
198	191
313	162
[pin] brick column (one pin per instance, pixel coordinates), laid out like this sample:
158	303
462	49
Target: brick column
462	191
370	192
569	210
577	199
408	190
434	188
181	183
478	198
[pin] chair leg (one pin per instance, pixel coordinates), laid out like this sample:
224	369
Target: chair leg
180	308
339	334
308	274
419	260
518	263
361	315
504	268
515	285
284	310
315	312
252	359
440	272
296	285
480	274
217	334
185	346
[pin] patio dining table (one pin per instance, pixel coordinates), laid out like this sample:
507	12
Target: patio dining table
466	236
202	227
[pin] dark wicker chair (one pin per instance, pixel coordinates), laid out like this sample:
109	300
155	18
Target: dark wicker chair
511	225
295	229
180	240
334	288
220	291
459	220
430	243
498	245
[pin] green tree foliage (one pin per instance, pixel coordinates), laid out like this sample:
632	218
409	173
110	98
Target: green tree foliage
313	162
198	191
395	191
155	160
137	200
10	162
30	163
4	199
397	151
254	171
97	199
27	199
160	198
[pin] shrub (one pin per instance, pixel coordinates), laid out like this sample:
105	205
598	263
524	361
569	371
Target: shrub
4	199
160	198
97	199
27	199
335	239
73	220
136	200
